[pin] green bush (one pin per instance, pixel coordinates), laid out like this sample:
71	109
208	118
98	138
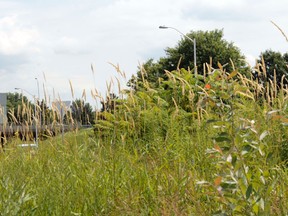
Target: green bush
191	146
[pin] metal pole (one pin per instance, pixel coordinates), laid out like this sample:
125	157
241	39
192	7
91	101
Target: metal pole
36	127
35	111
62	121
40	113
195	63
192	40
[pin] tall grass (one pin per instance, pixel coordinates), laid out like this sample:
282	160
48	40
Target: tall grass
212	145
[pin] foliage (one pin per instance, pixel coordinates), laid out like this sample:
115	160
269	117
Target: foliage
45	114
19	108
272	66
187	146
237	160
82	112
110	103
211	49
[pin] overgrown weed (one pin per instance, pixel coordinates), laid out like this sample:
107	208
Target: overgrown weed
211	145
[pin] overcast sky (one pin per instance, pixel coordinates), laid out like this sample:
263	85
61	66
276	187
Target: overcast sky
57	40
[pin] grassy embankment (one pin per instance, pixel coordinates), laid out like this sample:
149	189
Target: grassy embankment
188	146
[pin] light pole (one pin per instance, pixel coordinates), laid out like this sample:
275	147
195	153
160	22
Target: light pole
192	40
40	110
35	110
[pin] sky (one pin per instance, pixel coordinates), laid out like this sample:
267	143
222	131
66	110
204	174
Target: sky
55	44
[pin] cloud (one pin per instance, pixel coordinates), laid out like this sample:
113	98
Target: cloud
236	11
70	46
11	62
16	39
62	38
221	10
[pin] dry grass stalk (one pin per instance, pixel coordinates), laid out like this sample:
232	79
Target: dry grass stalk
280	30
263	66
178	64
275	84
71	88
204	72
108	87
118	85
176	106
84	95
233	66
143	75
117	68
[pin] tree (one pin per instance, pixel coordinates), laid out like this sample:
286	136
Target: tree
211	49
19	108
272	63
82	112
44	113
110	103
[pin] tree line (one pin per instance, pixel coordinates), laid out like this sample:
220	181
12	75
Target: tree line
212	50
22	111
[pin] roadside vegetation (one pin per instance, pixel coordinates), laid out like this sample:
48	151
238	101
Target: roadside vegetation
214	143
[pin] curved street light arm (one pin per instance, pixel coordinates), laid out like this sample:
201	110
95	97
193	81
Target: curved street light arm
26	92
193	41
166	27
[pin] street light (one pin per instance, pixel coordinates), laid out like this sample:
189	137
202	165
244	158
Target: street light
36	130
192	40
40	113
